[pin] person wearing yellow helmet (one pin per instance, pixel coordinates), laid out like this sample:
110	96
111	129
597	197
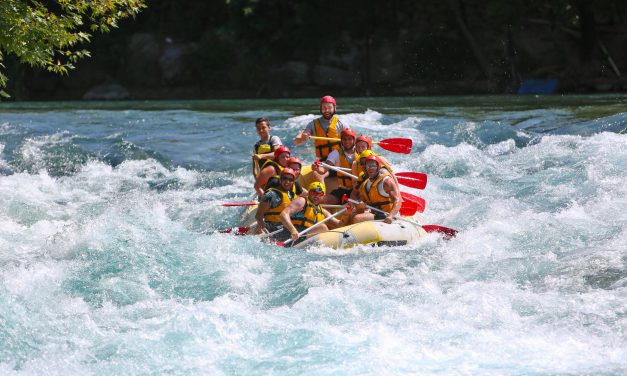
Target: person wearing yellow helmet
302	213
363	146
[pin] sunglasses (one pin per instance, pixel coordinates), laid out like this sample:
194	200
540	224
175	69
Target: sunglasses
371	164
317	193
287	178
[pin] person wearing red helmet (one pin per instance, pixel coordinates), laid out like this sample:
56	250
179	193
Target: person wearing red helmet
363	143
274	200
342	157
378	191
264	148
328	125
295	164
272	168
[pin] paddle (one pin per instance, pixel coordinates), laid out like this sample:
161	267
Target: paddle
420	202
412	179
241	230
283	244
247	203
448	232
396	145
409	179
408	208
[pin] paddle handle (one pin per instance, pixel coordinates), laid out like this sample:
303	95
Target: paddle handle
317	224
338	170
334	139
263	236
324	138
384	212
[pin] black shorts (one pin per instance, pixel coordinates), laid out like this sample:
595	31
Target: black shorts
379	215
340	192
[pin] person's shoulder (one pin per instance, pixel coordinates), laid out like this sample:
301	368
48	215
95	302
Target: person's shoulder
275	140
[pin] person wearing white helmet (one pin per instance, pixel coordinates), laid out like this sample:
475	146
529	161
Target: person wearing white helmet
327	125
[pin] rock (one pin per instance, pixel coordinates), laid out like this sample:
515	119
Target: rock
292	73
107	92
334	77
142	66
173	64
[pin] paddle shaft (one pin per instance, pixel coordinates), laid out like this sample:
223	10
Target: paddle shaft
384	212
316	224
337	169
334	139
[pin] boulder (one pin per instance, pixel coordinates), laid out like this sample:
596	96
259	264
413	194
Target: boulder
324	75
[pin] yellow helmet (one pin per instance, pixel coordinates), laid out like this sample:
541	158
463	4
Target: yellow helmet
317	187
366	153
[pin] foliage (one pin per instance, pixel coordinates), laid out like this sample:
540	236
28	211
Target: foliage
49	34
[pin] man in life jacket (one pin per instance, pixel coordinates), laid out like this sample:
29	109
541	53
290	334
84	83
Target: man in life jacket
328	125
342	157
264	148
363	147
306	212
378	191
273	201
295	164
272	168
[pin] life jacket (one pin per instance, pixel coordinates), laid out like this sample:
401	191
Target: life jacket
344	180
263	147
277	170
273	214
324	147
275	181
310	215
375	194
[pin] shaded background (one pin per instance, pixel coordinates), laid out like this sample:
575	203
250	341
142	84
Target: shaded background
280	48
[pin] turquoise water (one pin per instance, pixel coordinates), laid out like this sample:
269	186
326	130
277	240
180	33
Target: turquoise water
109	263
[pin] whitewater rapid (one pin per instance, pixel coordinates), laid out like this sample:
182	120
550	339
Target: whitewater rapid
111	264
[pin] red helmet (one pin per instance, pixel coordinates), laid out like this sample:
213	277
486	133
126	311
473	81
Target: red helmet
281	149
348	132
288	171
374	158
365	139
296	160
329	99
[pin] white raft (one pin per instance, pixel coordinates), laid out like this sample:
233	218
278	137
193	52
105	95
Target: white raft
373	232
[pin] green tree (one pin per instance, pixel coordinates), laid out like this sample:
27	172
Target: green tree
50	34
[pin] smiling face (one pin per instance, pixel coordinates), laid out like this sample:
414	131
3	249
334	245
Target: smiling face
348	142
283	157
263	130
361	146
287	181
372	169
327	109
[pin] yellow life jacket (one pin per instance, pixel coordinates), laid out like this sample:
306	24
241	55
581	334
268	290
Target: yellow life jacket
273	214
325	147
263	148
344	180
277	170
310	215
374	196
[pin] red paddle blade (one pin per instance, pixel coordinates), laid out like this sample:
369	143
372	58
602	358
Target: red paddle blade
249	203
242	230
410	182
420	202
446	231
422	178
396	145
408	208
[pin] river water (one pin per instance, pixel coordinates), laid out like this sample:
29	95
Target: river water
109	263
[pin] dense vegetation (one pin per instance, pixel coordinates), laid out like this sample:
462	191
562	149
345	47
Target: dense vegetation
249	48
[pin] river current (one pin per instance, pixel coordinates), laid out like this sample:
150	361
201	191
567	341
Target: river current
110	262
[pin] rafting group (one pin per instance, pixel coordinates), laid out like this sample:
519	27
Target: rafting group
348	184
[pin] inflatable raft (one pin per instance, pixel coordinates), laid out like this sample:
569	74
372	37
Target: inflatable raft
373	232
